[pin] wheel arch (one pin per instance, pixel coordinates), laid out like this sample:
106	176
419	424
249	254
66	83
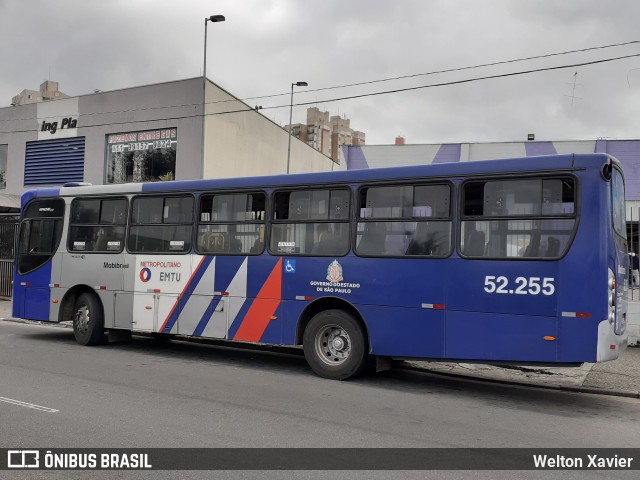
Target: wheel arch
70	298
330	303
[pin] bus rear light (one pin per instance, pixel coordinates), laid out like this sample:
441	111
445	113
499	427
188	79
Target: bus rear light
148	307
612	347
612	299
549	338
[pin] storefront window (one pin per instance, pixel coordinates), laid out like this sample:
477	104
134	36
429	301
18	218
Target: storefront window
3	166
148	156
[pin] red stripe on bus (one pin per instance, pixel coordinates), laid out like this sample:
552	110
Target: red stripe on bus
175	305
263	308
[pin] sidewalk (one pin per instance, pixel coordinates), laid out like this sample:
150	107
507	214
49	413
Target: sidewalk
619	377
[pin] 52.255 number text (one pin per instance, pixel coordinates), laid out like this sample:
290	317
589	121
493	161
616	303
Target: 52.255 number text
523	285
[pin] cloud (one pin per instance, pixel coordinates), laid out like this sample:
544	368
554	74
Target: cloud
265	45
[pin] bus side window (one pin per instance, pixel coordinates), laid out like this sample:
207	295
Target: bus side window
373	239
404	220
161	224
475	244
257	247
331	242
553	247
430	238
231	223
533	249
311	222
528	218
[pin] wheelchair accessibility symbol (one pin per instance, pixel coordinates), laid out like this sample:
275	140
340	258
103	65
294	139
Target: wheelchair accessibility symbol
290	266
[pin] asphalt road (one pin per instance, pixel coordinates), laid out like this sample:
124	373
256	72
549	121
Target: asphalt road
142	394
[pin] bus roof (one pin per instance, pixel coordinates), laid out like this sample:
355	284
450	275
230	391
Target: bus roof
441	170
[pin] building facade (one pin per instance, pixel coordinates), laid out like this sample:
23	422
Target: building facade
147	133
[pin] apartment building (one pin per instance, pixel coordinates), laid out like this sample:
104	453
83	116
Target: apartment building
326	133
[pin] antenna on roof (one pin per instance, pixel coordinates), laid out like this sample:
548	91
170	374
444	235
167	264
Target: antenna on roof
573	89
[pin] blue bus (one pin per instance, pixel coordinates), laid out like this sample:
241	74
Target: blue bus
518	260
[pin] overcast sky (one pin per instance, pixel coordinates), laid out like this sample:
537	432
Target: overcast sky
265	45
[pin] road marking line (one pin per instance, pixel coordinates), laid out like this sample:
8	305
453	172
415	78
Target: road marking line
28	405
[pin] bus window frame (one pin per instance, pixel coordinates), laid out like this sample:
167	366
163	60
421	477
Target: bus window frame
163	196
29	220
451	219
99	197
513	176
271	220
199	222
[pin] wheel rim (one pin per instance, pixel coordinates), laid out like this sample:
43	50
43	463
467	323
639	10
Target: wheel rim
83	316
333	345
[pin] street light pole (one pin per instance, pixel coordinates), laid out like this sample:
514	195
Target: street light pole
296	84
212	19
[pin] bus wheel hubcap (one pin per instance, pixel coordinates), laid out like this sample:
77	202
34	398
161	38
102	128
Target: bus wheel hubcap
333	345
82	320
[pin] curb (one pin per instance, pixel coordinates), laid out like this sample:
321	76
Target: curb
565	388
35	322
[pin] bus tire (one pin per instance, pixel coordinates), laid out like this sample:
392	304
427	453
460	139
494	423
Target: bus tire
335	345
88	320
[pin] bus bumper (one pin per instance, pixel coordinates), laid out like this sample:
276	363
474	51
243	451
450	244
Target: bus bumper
610	345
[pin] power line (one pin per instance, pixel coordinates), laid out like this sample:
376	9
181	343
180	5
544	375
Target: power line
458	69
454	82
386	92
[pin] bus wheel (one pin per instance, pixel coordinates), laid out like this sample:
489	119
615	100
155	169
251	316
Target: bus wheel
88	321
334	345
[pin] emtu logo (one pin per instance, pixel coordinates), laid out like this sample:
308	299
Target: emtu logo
23	459
145	274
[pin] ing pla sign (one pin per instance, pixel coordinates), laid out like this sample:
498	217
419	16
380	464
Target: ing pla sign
65	123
